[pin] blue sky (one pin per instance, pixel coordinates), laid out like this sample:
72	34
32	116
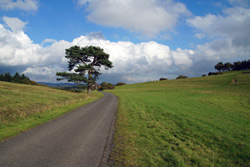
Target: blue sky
146	39
66	20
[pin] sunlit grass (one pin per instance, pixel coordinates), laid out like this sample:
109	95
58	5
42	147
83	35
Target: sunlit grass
189	122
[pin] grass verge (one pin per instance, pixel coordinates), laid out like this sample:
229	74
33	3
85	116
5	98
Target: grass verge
190	122
25	106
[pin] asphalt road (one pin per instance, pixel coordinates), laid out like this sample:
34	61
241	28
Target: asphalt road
75	139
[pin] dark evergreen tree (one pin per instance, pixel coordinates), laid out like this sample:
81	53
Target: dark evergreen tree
17	78
248	64
7	77
1	77
85	61
237	65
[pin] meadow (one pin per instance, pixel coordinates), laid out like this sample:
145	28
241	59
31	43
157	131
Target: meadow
201	121
25	106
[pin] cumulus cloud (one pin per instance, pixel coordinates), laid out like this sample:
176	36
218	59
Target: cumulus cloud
142	60
41	74
132	62
95	35
235	25
229	33
147	18
14	24
46	41
243	3
27	5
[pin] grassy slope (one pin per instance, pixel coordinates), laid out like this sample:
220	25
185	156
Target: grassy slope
24	106
189	122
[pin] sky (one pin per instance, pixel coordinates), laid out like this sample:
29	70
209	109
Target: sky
146	39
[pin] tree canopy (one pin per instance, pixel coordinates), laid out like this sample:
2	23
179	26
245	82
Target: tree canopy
219	66
84	64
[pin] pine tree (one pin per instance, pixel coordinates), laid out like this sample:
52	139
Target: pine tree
85	61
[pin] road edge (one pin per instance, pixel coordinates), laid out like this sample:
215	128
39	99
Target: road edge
109	146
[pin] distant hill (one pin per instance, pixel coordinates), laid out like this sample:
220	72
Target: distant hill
58	85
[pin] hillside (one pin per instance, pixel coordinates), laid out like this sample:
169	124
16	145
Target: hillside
24	106
188	122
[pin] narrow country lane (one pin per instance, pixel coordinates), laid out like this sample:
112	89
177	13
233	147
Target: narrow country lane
75	139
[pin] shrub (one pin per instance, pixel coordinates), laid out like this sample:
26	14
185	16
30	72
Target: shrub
120	84
105	85
181	77
214	73
162	79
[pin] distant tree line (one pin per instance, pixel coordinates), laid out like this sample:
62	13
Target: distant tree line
17	78
239	65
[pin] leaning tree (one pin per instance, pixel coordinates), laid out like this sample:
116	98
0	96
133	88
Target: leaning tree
85	64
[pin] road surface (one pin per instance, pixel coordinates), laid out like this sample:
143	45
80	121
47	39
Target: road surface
75	139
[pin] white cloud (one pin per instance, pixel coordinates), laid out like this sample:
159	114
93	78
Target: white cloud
182	58
230	34
144	59
17	49
41	74
14	23
27	5
222	50
48	41
95	35
234	25
199	35
132	62
146	17
243	3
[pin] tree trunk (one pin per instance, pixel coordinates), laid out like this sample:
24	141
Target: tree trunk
89	83
89	90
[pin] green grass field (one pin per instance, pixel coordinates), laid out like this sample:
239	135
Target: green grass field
24	106
190	122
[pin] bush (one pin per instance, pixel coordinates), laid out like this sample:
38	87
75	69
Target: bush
162	79
105	85
204	75
214	73
181	77
120	84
